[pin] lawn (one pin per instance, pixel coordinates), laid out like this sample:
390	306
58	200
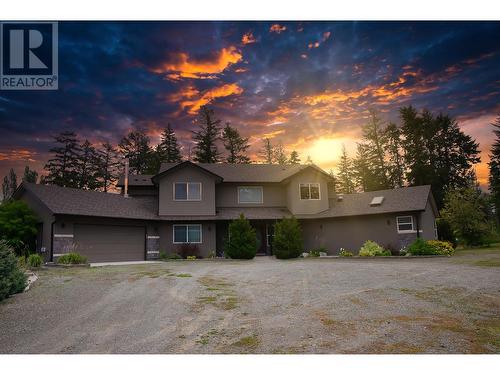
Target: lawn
430	305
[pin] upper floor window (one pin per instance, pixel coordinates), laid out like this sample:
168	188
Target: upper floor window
250	194
405	224
309	191
187	191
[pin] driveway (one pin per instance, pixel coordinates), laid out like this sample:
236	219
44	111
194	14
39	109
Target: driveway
440	305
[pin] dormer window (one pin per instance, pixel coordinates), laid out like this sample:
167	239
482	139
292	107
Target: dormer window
309	191
187	191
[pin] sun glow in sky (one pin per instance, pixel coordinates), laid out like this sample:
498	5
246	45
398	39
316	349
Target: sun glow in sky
308	85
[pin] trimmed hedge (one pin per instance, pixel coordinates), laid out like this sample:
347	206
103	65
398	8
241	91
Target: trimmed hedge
12	279
242	240
373	249
72	258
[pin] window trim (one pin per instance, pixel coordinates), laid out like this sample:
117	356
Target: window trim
187	233
310	199
412	230
251	186
187	191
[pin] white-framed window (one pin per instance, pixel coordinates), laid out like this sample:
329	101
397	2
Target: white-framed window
405	224
250	194
187	191
186	233
309	191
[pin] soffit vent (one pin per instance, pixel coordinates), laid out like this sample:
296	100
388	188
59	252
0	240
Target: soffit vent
376	201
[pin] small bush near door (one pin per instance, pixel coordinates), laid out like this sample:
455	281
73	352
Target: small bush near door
287	241
373	249
12	279
242	240
35	261
72	258
188	249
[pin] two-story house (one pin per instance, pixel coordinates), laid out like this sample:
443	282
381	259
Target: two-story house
194	203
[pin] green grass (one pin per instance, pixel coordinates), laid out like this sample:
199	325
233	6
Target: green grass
183	275
248	342
488	263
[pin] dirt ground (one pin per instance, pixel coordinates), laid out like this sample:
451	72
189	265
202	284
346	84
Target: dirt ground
438	305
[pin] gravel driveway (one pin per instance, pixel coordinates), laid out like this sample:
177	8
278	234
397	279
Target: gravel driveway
441	305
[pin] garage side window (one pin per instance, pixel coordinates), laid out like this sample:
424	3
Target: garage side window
309	191
187	233
187	191
405	224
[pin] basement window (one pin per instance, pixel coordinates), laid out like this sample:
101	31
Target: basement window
405	224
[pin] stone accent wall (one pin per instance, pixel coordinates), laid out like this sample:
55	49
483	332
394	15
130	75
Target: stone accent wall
406	239
152	247
62	244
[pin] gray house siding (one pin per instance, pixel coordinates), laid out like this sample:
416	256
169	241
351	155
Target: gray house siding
169	206
226	195
208	237
298	206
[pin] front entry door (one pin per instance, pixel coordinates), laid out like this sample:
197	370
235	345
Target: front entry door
260	231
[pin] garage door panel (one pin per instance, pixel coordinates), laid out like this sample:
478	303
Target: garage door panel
110	243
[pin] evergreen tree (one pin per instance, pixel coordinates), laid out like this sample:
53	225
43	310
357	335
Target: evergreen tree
267	152
62	166
135	147
9	185
87	167
235	145
169	150
294	158
345	179
30	175
309	160
108	166
205	139
280	155
375	142
437	152
494	164
396	164
363	176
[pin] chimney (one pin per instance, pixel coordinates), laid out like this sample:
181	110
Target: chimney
125	183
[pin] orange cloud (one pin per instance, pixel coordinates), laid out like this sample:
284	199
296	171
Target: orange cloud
248	38
18	155
277	28
182	66
191	99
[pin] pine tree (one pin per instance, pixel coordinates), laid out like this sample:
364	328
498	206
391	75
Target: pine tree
345	176
206	138
62	166
9	185
30	175
280	155
87	167
494	164
135	147
267	152
108	166
396	162
169	150
294	158
363	176
235	145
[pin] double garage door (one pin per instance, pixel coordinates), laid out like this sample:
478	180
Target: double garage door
110	243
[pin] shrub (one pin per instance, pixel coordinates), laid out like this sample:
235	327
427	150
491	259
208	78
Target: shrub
211	254
287	241
420	247
441	247
242	240
72	258
445	232
317	252
191	257
165	256
345	253
35	261
18	225
21	262
314	253
373	249
12	279
188	249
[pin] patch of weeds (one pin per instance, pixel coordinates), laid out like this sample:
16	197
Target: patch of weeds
207	299
488	263
153	274
211	289
221	295
247	342
203	340
229	303
183	275
181	336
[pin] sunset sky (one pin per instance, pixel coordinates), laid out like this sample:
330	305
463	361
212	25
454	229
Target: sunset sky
308	85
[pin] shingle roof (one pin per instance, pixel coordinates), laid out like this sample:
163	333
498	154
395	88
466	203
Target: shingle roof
249	172
68	201
396	200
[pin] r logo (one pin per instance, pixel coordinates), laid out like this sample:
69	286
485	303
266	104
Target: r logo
29	56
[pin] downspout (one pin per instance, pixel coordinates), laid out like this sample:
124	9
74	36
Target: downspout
125	194
52	241
418	224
